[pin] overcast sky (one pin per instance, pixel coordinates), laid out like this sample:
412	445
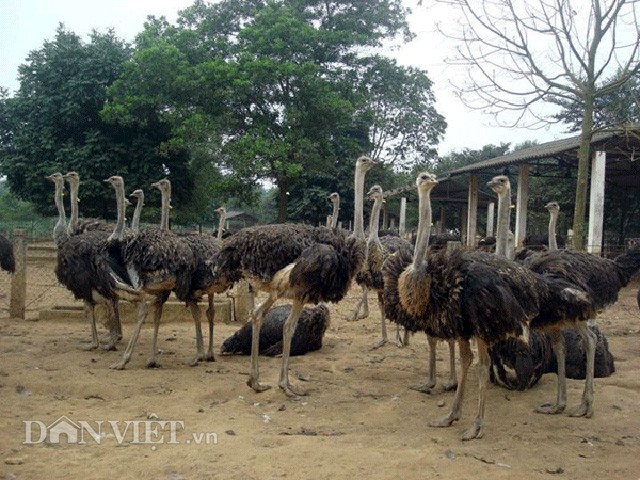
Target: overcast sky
26	24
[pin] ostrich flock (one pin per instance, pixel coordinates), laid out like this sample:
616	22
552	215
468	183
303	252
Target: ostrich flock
516	310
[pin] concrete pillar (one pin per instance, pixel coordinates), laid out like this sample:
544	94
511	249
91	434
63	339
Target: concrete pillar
17	306
392	223
403	216
472	211
243	301
443	219
521	205
491	213
385	217
596	203
463	225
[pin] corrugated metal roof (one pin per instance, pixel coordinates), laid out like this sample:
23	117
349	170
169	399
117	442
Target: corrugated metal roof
544	150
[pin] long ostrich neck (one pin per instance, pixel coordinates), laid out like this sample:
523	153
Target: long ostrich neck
334	214
119	228
73	216
424	228
553	220
358	212
135	221
166	204
223	216
374	221
504	220
62	216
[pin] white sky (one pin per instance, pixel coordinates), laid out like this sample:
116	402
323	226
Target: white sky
26	24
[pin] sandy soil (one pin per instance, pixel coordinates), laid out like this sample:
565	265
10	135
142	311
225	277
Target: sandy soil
359	420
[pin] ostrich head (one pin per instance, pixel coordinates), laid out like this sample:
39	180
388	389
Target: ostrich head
500	185
365	163
72	178
221	211
55	177
138	195
426	181
163	185
553	207
334	197
375	192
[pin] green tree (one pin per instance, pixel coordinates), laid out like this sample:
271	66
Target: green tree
53	123
275	91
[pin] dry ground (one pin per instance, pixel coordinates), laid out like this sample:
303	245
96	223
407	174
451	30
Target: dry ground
359	421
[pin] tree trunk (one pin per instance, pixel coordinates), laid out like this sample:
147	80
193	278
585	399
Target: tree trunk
283	194
584	154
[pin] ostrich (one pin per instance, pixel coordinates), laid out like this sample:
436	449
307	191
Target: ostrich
307	337
333	218
299	262
377	253
463	295
509	355
600	278
152	263
7	259
75	267
135	220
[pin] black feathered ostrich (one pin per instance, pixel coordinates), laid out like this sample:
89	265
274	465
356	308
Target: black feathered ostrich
75	268
464	295
511	359
603	279
7	258
151	263
301	263
307	337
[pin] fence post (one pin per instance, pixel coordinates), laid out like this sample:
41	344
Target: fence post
17	307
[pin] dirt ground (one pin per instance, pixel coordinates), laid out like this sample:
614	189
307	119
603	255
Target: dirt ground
359	420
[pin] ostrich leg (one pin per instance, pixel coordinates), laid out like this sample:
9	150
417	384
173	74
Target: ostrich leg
209	357
115	326
90	314
256	320
561	399
157	315
586	406
364	304
287	334
476	430
383	324
466	358
143	308
431	379
196	314
453	380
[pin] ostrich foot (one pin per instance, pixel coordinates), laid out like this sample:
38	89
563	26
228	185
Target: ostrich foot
90	347
292	391
475	431
444	421
450	385
357	316
201	357
584	410
400	342
550	408
152	363
380	343
110	347
257	386
428	388
209	357
118	365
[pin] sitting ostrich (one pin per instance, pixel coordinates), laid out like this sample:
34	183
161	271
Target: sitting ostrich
7	258
75	265
462	295
151	263
307	336
302	263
